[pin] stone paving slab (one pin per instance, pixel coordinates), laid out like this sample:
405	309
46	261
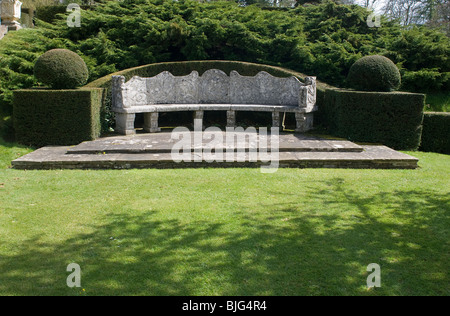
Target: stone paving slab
162	143
379	157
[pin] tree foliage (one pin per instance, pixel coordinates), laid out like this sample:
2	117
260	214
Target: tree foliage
431	12
322	40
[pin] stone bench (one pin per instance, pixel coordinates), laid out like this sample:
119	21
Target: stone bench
213	91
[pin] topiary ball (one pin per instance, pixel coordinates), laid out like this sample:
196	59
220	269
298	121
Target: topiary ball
374	73
61	69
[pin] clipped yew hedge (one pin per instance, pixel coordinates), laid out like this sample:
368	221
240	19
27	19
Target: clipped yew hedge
390	118
57	117
436	132
374	73
61	69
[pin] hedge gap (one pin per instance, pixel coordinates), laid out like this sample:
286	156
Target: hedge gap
436	132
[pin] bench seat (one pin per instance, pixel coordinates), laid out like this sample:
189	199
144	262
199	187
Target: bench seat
161	108
212	91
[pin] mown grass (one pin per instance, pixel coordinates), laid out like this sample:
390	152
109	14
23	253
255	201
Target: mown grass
9	152
437	102
225	231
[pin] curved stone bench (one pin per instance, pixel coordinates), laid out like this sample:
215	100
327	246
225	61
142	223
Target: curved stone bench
213	91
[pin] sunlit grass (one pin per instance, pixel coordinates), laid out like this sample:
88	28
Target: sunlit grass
9	152
438	102
225	231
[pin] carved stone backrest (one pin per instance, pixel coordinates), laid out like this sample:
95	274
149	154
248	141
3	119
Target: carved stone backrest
213	87
264	89
166	88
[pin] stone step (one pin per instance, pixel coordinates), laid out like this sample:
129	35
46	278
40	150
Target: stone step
372	157
160	143
154	151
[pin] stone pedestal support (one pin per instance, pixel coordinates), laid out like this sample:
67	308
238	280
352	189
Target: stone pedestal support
198	119
10	14
151	122
125	123
231	118
276	119
304	122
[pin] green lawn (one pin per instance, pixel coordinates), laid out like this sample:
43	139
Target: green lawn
225	231
437	102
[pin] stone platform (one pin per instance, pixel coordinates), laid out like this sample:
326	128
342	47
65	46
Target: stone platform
154	151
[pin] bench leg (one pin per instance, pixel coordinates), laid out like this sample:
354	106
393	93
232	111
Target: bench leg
301	127
125	123
198	119
151	122
231	118
276	119
304	122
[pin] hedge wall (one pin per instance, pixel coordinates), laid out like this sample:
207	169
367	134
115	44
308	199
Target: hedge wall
436	132
391	118
57	117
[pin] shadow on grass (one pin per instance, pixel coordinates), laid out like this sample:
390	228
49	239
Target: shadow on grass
12	144
281	251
